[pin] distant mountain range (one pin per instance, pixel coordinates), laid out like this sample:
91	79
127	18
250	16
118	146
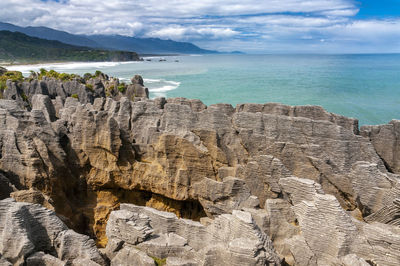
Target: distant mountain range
16	46
111	42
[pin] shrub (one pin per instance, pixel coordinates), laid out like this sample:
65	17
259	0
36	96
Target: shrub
3	85
122	87
159	262
24	97
43	71
64	76
15	76
53	74
75	96
87	76
89	87
98	73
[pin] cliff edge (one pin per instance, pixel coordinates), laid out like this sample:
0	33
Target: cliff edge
189	184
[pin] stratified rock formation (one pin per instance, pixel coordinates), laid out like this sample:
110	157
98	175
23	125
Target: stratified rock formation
34	235
229	239
190	184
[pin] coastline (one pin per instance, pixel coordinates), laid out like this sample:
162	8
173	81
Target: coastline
40	62
356	86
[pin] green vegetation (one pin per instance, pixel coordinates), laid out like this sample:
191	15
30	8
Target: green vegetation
88	76
159	262
54	74
24	97
90	87
122	87
3	85
15	76
15	46
75	96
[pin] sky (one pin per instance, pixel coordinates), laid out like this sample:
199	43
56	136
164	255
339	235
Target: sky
252	26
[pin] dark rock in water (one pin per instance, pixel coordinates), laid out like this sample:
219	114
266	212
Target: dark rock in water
137	79
136	91
2	70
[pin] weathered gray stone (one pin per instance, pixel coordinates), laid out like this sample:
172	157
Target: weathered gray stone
19	222
131	256
165	245
27	229
71	246
43	103
353	260
230	238
174	261
42	259
129	227
386	140
281	226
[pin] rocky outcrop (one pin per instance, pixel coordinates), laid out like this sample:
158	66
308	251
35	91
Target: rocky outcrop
330	236
34	235
386	140
230	239
85	89
257	181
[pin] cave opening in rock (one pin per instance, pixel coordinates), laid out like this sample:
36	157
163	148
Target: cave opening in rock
92	209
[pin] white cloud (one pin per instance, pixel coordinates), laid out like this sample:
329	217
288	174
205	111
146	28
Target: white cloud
185	33
253	25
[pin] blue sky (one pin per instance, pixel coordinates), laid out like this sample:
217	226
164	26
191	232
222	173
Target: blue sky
253	26
378	9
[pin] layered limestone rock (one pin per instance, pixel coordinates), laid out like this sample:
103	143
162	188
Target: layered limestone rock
302	174
33	235
230	239
86	89
386	140
330	236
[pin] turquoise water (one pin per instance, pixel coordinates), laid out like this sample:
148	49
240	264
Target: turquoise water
366	87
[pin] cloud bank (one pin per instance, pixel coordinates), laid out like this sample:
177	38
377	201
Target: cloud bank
317	26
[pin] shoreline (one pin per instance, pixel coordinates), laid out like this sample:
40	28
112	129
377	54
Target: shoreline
39	62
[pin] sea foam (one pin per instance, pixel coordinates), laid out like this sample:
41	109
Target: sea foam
159	87
68	66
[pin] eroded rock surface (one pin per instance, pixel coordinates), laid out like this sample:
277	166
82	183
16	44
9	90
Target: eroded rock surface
303	182
386	140
230	239
30	233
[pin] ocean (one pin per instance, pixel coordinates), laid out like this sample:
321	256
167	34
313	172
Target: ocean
366	87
